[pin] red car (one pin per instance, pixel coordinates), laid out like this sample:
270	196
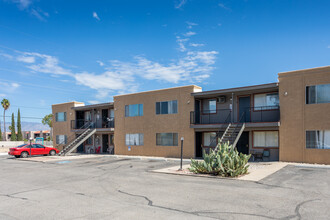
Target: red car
35	149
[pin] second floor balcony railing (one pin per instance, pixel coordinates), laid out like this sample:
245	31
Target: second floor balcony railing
105	123
224	116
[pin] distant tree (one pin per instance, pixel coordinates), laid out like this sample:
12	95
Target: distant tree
5	105
0	132
48	120
13	131
19	127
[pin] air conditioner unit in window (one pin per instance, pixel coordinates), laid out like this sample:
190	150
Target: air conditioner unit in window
222	99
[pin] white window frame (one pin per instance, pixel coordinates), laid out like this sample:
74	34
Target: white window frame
169	107
212	136
173	139
136	139
139	112
56	117
61	138
206	108
322	139
265	145
265	105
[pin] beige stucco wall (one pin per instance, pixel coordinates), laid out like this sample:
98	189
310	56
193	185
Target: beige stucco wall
149	124
63	128
297	117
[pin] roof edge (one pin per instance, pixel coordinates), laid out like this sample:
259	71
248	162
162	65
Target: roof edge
156	90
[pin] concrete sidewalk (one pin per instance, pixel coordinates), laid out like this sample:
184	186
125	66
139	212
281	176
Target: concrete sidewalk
257	171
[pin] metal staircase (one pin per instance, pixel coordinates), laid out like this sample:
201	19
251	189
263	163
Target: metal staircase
75	141
232	134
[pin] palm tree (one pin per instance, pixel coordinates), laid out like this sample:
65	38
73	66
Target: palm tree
5	104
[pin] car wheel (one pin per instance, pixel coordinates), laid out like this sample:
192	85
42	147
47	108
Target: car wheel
24	154
17	156
52	153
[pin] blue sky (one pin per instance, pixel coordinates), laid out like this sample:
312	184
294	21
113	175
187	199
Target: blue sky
59	51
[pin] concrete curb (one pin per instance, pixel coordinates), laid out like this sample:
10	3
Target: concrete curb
258	172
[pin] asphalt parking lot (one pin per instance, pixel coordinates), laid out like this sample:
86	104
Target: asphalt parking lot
112	188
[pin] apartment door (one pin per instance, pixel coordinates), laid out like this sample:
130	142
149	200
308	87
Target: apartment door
244	108
197	111
243	143
80	149
105	115
105	143
198	142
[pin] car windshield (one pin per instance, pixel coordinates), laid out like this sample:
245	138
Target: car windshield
21	146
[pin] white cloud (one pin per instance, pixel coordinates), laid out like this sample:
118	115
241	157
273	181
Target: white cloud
179	3
46	64
26	59
22	4
15	85
96	16
224	7
100	63
94	102
328	47
8	87
189	34
27	5
181	42
8	56
2	95
196	45
120	77
38	13
190	24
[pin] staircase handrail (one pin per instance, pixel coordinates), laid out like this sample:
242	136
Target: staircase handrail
221	127
72	137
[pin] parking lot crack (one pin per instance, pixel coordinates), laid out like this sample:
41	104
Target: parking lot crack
150	203
146	198
297	209
15	197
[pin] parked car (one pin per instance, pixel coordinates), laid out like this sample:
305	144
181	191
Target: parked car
35	149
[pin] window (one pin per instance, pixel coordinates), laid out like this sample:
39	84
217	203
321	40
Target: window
134	139
61	139
265	139
88	116
38	146
318	94
266	101
318	139
60	116
210	139
167	139
133	110
209	106
169	107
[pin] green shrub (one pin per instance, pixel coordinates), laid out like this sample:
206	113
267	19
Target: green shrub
224	160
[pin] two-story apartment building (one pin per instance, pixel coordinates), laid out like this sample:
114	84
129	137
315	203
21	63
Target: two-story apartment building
287	121
305	115
153	123
255	106
72	119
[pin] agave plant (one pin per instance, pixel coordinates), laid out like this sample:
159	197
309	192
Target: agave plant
224	160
